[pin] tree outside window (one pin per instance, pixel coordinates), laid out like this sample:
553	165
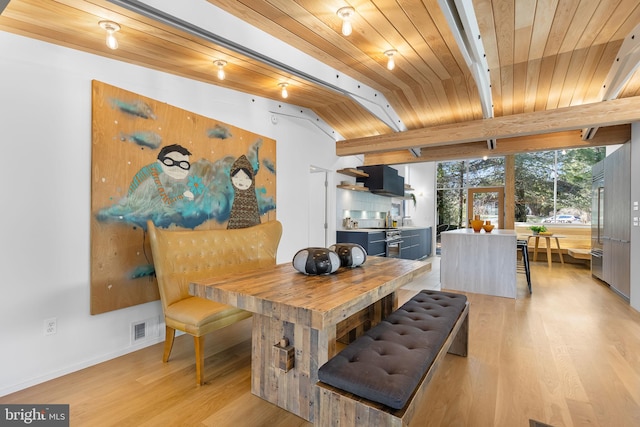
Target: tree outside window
555	186
453	180
550	186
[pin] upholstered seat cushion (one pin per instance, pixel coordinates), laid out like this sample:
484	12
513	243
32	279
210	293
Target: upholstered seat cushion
199	316
386	364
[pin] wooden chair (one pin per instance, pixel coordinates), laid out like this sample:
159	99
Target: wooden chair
183	256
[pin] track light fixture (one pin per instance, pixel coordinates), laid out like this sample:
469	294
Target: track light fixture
284	92
346	13
391	63
220	64
110	27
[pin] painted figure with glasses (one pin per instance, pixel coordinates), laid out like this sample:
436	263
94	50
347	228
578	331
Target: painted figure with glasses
172	165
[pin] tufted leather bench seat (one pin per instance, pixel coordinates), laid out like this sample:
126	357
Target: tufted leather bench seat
393	360
184	256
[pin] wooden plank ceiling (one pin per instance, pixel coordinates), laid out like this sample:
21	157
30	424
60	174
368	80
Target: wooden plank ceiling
541	54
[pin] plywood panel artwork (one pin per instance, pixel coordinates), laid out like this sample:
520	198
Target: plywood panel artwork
154	161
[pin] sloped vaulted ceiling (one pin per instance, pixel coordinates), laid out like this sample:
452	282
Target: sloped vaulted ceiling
544	59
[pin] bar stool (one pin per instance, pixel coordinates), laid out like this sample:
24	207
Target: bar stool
524	266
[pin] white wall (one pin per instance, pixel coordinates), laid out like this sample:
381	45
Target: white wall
45	129
422	178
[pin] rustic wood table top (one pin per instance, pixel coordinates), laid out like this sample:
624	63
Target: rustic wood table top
314	301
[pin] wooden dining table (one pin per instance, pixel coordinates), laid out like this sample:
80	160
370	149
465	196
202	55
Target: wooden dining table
298	315
549	249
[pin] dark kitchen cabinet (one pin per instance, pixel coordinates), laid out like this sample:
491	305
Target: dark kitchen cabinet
383	180
373	241
416	243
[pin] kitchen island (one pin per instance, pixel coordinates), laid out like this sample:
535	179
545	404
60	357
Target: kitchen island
483	263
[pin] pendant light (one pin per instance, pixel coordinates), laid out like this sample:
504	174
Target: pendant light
110	27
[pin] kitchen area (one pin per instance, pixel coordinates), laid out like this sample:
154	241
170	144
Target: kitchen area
376	209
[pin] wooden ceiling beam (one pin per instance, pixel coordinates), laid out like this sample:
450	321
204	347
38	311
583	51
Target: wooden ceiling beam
599	114
613	135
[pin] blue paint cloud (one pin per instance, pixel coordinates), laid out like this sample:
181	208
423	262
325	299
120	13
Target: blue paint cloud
219	132
143	138
268	163
136	108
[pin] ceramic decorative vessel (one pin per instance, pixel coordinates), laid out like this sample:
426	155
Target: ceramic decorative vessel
316	261
488	227
476	223
351	254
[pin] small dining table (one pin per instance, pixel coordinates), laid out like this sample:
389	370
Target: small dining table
548	238
297	315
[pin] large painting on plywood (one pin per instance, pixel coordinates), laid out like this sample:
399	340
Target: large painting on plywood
154	161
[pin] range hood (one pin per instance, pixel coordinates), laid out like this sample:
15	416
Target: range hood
383	180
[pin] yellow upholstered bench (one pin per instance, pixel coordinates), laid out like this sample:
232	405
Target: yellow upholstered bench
579	253
575	242
183	256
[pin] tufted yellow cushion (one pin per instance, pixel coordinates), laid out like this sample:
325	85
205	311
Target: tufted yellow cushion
184	256
198	316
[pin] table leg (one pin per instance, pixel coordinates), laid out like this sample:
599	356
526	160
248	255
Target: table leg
291	390
549	260
294	390
535	249
559	251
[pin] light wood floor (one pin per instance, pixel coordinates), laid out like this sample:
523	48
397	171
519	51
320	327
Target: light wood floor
568	355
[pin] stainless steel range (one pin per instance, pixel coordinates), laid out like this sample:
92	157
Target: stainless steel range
393	240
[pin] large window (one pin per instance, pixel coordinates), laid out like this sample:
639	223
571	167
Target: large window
550	186
453	181
555	186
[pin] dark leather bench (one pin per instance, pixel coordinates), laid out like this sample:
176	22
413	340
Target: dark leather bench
382	375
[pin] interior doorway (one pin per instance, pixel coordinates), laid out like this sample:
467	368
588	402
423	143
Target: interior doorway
488	202
317	209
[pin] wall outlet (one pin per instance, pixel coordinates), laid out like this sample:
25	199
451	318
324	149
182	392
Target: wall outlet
50	326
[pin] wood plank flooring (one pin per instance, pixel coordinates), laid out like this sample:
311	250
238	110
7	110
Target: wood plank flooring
568	355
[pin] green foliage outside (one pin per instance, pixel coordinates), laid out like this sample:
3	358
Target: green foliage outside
534	184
